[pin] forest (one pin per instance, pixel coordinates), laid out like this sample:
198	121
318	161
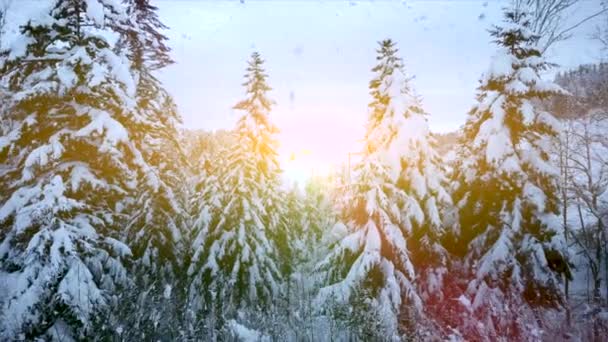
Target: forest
117	223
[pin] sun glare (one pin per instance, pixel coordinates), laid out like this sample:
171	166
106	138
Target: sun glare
300	165
313	146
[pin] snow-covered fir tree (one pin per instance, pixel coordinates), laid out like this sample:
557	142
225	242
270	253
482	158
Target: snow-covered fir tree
206	202
296	222
422	176
418	167
156	226
70	169
156	232
389	198
238	265
205	208
509	234
207	151
148	45
318	215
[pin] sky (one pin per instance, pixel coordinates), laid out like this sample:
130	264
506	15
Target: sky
319	56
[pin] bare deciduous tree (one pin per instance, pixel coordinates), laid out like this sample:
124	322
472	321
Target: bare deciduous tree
4	6
589	186
601	31
548	18
563	151
582	155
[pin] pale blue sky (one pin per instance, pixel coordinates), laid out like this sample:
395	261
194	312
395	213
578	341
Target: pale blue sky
319	55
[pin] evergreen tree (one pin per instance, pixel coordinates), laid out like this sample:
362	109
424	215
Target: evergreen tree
421	175
156	231
206	209
373	258
239	265
295	221
208	152
318	215
162	222
509	232
148	47
417	166
70	169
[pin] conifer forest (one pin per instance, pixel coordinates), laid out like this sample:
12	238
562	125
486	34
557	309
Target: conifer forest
123	218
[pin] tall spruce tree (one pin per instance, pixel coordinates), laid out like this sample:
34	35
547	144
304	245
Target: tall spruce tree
318	215
70	169
157	229
417	166
238	264
205	208
156	232
420	173
148	45
509	235
384	206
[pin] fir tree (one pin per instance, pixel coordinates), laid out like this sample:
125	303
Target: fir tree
70	168
206	208
509	232
156	231
373	257
239	264
418	171
295	221
417	167
318	215
147	45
